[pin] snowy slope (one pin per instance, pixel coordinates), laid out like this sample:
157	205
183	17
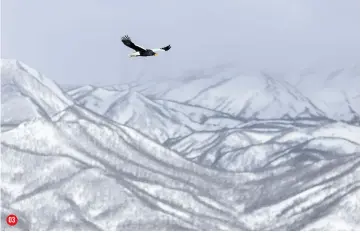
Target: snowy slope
255	146
254	97
135	110
83	172
245	96
79	92
98	99
199	79
80	159
129	157
319	93
25	94
160	120
131	108
336	92
312	196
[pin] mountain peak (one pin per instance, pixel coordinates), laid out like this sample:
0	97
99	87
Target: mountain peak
26	90
16	65
133	96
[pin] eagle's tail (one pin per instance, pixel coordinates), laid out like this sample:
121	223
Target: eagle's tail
166	48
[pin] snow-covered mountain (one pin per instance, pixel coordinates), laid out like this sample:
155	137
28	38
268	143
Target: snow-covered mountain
82	172
26	94
316	93
329	94
248	97
88	166
335	92
255	147
161	120
94	159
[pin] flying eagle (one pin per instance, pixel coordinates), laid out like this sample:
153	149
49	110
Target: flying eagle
140	51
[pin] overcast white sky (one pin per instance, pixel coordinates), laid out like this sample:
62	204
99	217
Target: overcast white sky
78	41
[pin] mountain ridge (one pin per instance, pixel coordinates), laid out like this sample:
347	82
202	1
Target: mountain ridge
24	89
79	167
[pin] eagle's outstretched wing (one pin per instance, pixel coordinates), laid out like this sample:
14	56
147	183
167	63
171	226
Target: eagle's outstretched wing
127	41
166	48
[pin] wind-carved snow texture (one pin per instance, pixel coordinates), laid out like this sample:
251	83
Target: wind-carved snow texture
226	151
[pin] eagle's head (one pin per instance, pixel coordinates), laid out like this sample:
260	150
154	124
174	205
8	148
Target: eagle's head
149	52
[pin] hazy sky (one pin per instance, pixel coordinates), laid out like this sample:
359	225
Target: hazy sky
78	41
